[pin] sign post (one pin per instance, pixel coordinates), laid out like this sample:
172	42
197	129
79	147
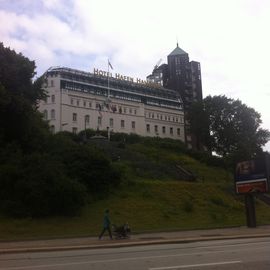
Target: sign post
251	177
250	211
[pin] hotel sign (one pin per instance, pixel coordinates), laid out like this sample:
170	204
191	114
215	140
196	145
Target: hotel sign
118	76
252	176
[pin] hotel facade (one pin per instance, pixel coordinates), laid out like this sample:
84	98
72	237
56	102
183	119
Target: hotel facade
100	100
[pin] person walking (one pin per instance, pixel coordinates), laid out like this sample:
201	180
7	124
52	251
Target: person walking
106	224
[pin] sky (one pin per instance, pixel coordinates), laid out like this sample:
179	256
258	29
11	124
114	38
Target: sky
230	38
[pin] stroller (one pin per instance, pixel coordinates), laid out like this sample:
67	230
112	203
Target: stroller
121	232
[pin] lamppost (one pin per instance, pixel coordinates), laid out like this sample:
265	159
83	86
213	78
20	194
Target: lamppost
85	120
109	133
62	125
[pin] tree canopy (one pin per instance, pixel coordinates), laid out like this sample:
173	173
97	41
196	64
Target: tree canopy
41	174
20	121
228	127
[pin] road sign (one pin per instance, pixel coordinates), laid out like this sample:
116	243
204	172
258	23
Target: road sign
251	176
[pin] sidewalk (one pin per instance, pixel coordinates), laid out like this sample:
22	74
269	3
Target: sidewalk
136	239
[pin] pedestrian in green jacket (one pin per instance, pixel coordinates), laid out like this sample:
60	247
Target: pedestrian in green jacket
106	224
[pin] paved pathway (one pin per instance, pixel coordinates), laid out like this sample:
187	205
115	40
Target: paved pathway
136	239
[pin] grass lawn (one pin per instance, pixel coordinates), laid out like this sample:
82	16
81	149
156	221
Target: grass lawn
152	198
147	206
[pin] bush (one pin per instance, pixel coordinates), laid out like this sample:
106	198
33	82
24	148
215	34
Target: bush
188	206
37	187
126	138
86	164
209	159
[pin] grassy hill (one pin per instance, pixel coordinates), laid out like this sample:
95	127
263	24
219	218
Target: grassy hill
155	195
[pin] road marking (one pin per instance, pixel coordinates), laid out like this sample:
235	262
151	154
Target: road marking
109	260
194	265
121	259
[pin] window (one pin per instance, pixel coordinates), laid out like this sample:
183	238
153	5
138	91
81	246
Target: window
171	130
156	128
148	128
53	98
74	130
99	120
178	131
125	110
177	61
135	111
90	104
130	110
111	122
71	101
46	99
74	117
164	130
52	83
122	123
52	114
45	114
133	124
87	119
84	103
78	102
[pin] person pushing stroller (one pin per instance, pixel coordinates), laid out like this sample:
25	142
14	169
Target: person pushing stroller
106	225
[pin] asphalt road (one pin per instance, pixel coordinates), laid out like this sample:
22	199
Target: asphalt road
208	255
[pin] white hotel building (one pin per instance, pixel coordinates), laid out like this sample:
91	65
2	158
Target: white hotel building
79	100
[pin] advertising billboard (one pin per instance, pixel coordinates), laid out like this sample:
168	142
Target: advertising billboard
251	176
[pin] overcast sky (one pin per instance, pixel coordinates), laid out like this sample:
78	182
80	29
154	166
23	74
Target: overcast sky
230	38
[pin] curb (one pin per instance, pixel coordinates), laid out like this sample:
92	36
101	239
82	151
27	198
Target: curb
130	243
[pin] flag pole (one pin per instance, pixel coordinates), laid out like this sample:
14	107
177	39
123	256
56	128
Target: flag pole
108	98
108	80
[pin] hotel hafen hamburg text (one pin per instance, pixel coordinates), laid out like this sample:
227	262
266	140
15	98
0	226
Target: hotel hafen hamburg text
78	100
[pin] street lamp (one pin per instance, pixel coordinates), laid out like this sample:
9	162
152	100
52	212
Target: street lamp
62	125
109	133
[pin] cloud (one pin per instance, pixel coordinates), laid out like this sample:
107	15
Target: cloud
229	38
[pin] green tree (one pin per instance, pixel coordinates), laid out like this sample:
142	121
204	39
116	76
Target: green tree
32	181
200	123
19	119
234	128
16	75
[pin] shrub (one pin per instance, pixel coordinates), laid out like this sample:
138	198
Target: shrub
86	164
188	206
217	201
37	187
